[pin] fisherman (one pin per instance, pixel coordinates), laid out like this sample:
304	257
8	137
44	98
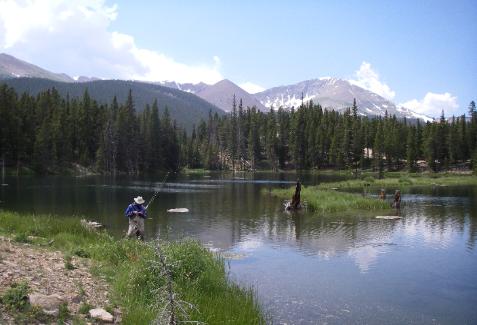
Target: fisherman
382	194
397	200
136	212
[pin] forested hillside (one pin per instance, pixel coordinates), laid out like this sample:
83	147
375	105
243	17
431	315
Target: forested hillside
49	133
187	109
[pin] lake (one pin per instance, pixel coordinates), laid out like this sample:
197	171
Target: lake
306	268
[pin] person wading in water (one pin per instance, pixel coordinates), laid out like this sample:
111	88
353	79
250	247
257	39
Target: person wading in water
397	200
136	213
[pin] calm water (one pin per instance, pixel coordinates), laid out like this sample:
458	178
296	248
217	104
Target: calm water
306	268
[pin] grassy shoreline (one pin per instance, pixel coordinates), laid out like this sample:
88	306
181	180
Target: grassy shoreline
132	268
332	196
402	181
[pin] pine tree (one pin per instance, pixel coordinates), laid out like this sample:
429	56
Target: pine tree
411	150
378	148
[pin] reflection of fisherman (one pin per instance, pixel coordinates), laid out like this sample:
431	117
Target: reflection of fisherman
382	194
136	212
397	200
295	203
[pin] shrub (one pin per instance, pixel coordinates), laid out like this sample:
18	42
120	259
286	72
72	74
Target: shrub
369	179
68	264
22	238
16	297
80	252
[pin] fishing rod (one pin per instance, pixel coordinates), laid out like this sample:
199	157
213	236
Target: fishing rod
157	191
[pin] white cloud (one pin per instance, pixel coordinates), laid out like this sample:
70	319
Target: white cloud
251	88
368	79
432	104
74	37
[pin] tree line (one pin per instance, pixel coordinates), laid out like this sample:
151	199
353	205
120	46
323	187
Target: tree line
311	137
50	134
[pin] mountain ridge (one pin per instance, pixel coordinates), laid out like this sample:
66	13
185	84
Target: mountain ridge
186	108
333	93
330	93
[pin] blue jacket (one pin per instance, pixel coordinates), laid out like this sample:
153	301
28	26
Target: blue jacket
136	207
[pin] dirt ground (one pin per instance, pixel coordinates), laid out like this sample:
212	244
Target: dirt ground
45	273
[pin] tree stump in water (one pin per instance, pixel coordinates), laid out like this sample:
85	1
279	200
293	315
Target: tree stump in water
295	202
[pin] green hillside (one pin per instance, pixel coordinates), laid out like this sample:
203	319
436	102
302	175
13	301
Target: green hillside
187	109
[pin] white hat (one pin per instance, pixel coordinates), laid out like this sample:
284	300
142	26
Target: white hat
139	200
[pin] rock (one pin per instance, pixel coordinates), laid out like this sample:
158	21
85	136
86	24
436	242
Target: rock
388	217
91	225
49	304
101	314
178	210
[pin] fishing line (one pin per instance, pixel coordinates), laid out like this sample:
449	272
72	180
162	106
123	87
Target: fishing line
157	191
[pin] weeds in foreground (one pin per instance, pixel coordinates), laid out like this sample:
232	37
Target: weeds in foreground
68	262
136	277
63	313
16	297
22	238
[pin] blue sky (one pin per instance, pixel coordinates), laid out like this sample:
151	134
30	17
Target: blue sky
418	53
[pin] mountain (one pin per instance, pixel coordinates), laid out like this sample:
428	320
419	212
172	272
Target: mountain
186	108
187	87
11	67
332	93
220	94
85	79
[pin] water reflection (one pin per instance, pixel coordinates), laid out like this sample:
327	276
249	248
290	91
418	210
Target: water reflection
307	268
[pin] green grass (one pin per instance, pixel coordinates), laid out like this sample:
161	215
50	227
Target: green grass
16	297
195	171
137	279
403	180
330	197
324	200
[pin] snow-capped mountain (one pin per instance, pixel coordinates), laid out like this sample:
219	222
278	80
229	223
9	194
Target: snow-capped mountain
335	94
331	93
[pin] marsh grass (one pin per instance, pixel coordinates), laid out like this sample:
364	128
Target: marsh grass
132	269
324	200
332	196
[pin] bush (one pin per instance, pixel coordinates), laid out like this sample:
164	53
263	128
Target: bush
68	264
369	179
16	297
22	238
80	252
